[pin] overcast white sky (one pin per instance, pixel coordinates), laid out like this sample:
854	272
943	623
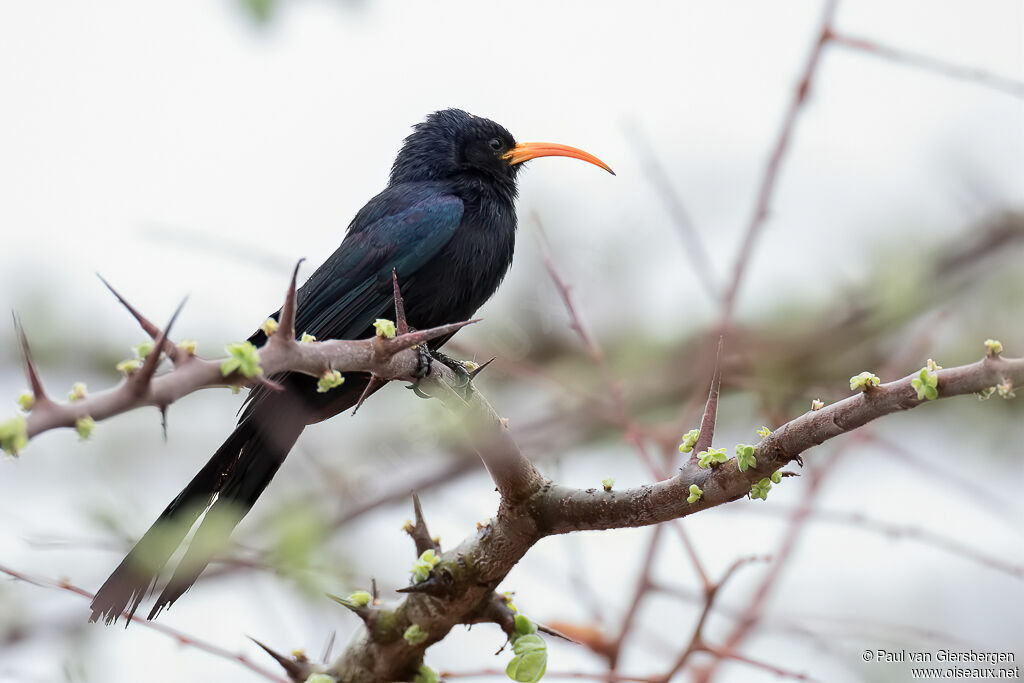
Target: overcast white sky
178	148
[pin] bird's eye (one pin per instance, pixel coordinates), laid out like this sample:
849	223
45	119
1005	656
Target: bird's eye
495	144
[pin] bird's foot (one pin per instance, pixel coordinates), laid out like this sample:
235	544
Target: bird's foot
464	384
463	371
423	362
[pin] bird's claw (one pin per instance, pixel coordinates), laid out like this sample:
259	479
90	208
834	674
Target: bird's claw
464	385
423	362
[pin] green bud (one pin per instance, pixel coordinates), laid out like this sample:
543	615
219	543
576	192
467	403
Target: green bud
864	381
926	383
329	380
761	489
84	427
26	401
269	327
608	483
244	359
470	366
77	391
713	456
321	678
1005	389
817	404
422	567
993	346
524	626
414	635
745	457
764	432
360	598
986	393
306	338
776	477
13	435
425	675
188	346
689	441
508	601
695	494
143	349
385	328
127	367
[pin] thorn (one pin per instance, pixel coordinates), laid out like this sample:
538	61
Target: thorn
145	373
286	321
431	586
401	324
361	612
373	589
480	368
417	509
328	647
406	341
373	385
149	328
30	367
707	423
291	667
556	633
163	421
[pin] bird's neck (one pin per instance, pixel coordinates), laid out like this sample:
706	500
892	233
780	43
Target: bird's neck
475	189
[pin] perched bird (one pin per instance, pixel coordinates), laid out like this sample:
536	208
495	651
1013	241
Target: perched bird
446	225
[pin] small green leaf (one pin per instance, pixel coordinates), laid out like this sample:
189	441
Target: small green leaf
508	601
422	567
689	441
761	489
530	660
306	338
608	483
695	494
244	359
776	477
926	382
745	457
385	328
26	401
329	380
414	635
764	432
425	675
713	456
84	427
13	435
188	346
864	381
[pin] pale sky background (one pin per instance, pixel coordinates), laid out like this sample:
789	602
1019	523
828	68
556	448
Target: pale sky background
179	148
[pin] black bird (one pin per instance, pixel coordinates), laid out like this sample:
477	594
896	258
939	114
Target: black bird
446	224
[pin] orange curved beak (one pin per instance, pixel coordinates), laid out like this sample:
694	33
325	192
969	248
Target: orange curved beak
524	151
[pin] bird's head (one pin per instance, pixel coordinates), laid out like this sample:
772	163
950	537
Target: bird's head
452	144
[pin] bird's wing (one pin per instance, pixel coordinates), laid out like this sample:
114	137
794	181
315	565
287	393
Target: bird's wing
344	296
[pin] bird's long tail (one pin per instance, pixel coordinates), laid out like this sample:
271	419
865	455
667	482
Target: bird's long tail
226	488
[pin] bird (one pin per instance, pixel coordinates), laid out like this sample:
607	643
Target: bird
445	227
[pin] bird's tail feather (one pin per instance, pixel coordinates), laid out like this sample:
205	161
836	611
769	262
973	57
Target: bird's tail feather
231	480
